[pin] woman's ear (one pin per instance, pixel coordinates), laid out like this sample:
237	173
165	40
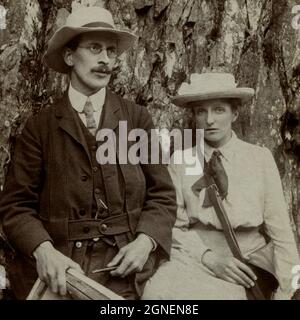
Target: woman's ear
235	115
68	57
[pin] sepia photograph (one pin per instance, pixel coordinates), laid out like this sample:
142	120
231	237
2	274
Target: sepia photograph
150	150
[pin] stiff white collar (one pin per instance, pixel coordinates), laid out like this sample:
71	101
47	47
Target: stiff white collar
226	150
78	99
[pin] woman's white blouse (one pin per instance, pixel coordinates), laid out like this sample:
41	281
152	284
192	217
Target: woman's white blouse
255	196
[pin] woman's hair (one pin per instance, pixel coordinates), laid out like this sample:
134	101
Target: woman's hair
234	103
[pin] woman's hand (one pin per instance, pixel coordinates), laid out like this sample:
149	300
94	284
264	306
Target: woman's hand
229	269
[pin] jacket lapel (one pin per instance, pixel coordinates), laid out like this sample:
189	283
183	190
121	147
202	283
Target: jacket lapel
70	122
112	112
112	115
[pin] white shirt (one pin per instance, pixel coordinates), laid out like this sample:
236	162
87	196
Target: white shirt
78	101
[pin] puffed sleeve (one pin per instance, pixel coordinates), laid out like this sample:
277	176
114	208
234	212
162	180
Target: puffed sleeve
184	238
278	225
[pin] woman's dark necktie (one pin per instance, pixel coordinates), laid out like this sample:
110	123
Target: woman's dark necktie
213	169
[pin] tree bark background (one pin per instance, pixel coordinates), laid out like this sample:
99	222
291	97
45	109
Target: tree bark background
253	39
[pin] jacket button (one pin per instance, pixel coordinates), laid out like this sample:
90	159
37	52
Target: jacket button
86	229
94	148
84	178
78	244
97	191
82	212
103	227
95	169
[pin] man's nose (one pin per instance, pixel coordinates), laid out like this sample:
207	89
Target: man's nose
103	57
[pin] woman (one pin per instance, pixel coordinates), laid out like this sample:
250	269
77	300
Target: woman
202	265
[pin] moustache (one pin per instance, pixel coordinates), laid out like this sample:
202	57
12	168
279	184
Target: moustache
102	69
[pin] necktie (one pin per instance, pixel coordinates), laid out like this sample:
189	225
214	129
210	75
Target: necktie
214	168
88	111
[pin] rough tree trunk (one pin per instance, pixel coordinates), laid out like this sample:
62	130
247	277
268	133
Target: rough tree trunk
253	39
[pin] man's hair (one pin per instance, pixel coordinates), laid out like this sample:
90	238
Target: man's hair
73	44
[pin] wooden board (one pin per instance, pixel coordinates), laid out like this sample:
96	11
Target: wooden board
79	287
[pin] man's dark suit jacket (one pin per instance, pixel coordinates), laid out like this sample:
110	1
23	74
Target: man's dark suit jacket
44	185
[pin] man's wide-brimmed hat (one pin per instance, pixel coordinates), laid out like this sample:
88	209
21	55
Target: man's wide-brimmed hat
207	86
88	19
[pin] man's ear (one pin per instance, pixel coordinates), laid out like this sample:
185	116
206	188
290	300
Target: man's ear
68	57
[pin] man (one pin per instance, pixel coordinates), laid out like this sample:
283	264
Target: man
60	208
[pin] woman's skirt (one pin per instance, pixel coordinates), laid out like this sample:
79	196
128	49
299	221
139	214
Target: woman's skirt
185	277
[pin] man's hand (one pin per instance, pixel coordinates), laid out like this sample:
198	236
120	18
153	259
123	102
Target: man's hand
52	265
229	269
132	257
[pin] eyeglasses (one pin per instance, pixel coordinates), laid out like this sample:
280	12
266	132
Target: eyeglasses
96	49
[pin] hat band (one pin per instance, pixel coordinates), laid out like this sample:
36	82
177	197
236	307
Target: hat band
99	24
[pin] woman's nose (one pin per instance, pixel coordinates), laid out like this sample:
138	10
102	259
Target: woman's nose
210	118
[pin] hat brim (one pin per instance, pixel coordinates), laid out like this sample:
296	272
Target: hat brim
243	94
53	56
